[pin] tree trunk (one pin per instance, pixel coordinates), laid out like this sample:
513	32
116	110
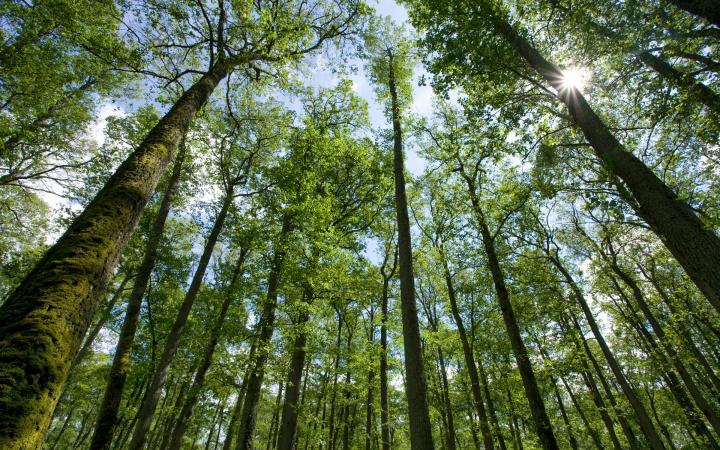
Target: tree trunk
46	317
183	418
416	384
641	413
102	320
265	329
287	439
384	401
469	360
237	410
695	246
699	397
107	416
593	433
541	421
563	413
173	340
707	9
445	390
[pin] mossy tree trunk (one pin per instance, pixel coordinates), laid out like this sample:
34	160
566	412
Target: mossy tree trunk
108	414
45	319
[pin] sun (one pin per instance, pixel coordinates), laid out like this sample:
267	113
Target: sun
574	78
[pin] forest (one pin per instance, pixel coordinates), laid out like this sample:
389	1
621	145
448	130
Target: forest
340	224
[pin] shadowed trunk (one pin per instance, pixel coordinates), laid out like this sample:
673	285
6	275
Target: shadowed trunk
469	360
287	439
543	428
641	413
707	9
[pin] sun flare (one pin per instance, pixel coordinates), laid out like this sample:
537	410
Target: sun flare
575	78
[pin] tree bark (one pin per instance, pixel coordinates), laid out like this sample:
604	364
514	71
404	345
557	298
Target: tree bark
173	340
384	401
46	317
695	246
416	384
107	416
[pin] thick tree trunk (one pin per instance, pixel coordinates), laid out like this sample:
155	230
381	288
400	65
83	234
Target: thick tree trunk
416	384
183	418
287	439
469	360
695	246
173	340
707	9
265	329
46	317
641	413
107	416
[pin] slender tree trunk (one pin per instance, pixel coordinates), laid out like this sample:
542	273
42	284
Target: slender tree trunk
275	417
102	320
593	433
707	9
698	396
384	401
563	413
416	384
641	414
445	391
183	418
173	340
265	329
287	439
541	421
237	410
491	404
695	246
469	360
108	414
627	429
54	304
